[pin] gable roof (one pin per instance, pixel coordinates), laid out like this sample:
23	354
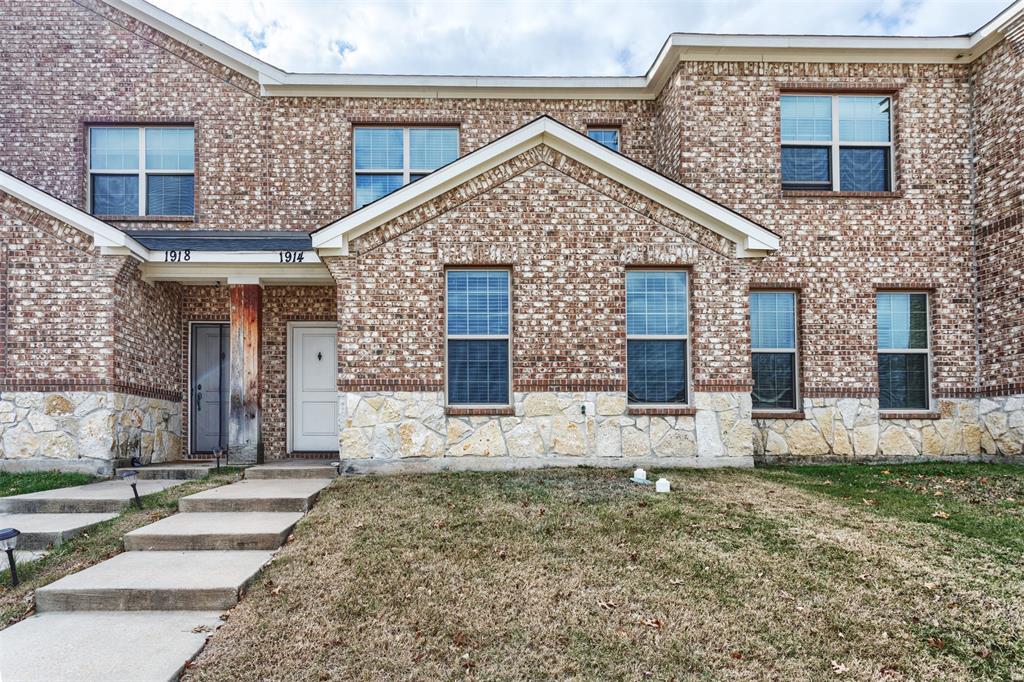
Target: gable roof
750	238
104	235
959	49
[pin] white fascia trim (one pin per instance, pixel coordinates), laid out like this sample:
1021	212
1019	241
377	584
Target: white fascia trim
199	40
106	236
679	47
750	238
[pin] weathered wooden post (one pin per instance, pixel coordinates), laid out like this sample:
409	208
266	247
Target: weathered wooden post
245	443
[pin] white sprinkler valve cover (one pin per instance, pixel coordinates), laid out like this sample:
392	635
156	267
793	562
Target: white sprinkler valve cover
662	486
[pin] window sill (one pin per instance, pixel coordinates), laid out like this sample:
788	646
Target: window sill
146	218
781	414
681	411
828	194
894	414
484	411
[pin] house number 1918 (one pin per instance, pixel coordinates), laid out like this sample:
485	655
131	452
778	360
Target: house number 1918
177	256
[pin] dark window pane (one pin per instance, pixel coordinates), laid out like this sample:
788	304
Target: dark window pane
806	168
774	380
170	195
478	372
115	194
864	169
657	371
903	381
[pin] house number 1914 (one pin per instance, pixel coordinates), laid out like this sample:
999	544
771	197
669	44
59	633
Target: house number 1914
291	256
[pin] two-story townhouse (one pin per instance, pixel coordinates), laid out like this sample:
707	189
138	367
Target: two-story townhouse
774	247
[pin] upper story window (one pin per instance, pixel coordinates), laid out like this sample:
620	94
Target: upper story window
478	323
609	137
387	158
773	341
903	348
656	336
837	143
142	171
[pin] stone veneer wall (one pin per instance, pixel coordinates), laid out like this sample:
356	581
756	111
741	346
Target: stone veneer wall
850	428
85	431
554	428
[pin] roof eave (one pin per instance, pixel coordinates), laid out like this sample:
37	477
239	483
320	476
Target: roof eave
750	238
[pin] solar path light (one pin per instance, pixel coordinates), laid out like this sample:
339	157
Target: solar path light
132	479
8	541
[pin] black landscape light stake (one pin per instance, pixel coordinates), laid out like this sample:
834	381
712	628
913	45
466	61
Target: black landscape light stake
337	466
8	540
217	453
132	479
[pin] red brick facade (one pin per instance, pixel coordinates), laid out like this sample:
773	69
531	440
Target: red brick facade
73	319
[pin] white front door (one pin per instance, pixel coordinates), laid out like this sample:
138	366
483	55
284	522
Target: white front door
312	387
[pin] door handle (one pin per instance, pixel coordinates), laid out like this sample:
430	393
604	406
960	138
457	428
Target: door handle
199	397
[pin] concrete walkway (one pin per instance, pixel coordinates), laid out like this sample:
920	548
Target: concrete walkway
143	614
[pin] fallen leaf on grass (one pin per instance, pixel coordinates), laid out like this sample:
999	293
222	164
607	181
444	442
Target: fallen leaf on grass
653	623
869	503
608	605
940	515
931	586
936	643
735	655
838	668
676	582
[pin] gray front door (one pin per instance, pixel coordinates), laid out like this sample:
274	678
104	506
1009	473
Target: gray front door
209	390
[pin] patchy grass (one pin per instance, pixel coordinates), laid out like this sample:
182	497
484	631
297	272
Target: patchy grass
35	481
767	574
96	545
980	501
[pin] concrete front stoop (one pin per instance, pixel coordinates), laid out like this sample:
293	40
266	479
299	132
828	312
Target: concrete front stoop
143	614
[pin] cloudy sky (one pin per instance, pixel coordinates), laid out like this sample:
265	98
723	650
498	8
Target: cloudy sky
537	37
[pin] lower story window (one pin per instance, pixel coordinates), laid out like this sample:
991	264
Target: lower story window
773	344
903	347
478	323
656	336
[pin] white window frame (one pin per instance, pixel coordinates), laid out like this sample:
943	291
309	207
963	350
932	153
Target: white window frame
406	171
478	337
795	350
607	129
141	172
927	351
662	337
834	145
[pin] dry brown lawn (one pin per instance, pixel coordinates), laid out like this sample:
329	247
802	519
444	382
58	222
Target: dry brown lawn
582	575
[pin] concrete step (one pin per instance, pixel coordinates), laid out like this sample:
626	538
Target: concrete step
215	530
274	495
40	531
103	647
292	469
181	471
102	497
155	581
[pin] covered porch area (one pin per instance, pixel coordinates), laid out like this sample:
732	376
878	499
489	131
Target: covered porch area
258	352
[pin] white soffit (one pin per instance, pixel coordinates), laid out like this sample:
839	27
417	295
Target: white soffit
750	238
273	81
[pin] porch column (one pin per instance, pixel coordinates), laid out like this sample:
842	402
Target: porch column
245	443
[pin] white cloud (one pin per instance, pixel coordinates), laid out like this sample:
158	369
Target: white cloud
537	37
